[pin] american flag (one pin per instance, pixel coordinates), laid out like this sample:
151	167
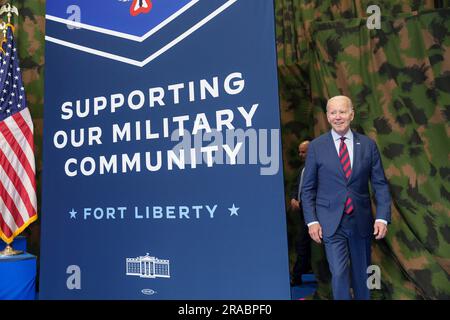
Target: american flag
18	205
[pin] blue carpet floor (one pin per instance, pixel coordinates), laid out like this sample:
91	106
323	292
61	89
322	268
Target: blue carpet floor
306	289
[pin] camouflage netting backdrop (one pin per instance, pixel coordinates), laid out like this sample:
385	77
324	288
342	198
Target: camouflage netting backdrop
399	79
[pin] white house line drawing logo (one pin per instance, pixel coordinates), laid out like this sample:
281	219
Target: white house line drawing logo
148	267
151	57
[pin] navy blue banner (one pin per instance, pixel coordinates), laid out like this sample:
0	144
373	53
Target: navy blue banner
162	172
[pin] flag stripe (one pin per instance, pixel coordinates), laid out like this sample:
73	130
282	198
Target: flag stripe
24	141
15	163
7	224
10	205
18	151
25	124
23	134
15	186
19	211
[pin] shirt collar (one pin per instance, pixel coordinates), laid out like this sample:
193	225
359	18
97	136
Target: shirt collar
336	136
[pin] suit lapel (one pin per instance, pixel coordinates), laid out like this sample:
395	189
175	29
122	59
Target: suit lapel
334	155
356	155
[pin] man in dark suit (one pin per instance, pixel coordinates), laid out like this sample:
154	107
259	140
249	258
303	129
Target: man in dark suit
302	241
336	202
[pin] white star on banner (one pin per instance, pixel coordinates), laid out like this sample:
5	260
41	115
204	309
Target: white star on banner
73	214
233	210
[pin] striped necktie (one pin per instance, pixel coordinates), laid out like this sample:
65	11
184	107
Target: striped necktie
344	157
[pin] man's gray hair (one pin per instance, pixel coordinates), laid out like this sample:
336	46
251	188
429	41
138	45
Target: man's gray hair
349	101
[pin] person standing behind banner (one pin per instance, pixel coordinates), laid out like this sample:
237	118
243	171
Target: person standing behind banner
336	201
303	241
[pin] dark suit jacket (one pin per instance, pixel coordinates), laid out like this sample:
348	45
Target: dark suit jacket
295	187
325	187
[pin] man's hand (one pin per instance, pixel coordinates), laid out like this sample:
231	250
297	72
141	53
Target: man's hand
315	231
295	205
380	230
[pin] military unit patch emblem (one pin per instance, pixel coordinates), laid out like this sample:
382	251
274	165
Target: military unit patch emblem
139	6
